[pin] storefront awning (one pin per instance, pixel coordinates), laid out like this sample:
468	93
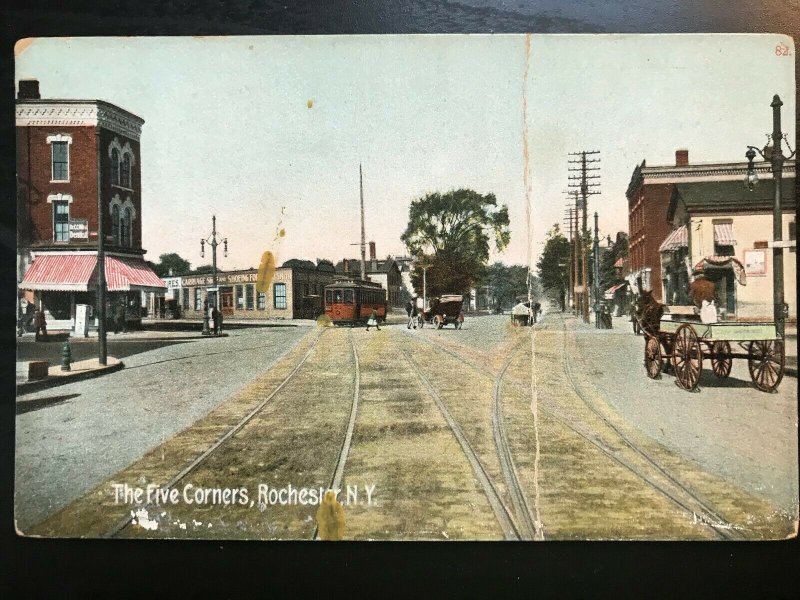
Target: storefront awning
124	274
609	293
722	262
60	273
78	273
677	239
723	234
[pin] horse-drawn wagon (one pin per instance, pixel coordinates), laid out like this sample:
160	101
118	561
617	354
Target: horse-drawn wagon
684	341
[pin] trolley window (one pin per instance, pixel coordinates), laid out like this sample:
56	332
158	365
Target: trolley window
337	296
328	297
348	296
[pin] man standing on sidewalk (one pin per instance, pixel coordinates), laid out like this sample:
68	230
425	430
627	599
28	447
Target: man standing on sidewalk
41	325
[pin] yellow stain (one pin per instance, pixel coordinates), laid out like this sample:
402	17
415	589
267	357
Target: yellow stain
266	271
282	232
310	104
330	518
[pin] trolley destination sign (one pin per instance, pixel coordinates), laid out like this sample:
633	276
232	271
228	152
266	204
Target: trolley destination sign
490	298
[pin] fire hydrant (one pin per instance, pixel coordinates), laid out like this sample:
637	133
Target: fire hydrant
66	357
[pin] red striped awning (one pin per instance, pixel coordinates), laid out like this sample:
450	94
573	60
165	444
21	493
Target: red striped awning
124	274
78	273
60	272
677	239
723	234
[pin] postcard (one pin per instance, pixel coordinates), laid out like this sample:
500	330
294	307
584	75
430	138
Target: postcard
409	287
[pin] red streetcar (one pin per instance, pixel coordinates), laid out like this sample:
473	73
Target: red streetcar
351	302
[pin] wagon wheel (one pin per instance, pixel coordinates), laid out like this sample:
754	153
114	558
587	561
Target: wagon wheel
721	360
652	357
766	362
687	357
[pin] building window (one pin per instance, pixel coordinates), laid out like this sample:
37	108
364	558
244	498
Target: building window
60	152
262	301
198	300
239	297
125	227
115	224
279	295
114	166
249	296
60	221
125	171
185	299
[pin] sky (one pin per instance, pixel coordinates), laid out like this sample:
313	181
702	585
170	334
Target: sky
268	132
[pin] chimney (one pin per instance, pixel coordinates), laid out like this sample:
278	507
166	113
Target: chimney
681	158
28	89
372	251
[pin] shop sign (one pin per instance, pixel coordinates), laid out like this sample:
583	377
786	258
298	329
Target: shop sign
79	229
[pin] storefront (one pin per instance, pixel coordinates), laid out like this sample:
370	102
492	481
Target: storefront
60	283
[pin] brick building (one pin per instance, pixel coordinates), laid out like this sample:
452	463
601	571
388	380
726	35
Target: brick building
73	155
649	194
295	292
386	272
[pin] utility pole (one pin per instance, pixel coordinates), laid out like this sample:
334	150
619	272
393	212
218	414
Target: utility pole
363	234
596	276
101	260
584	183
570	214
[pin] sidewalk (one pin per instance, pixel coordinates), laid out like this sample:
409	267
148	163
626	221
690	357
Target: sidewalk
84	369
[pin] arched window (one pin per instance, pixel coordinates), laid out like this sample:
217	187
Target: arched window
125	176
115	224
125	226
114	166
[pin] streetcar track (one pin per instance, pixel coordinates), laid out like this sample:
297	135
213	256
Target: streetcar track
338	471
710	519
504	518
719	525
123	523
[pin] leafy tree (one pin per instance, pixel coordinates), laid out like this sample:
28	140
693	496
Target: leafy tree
172	261
507	282
608	274
452	233
553	265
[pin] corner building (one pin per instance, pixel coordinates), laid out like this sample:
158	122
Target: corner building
78	162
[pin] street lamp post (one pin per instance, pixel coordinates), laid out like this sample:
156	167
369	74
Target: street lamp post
212	241
774	154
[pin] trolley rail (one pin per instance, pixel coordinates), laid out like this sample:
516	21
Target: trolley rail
122	524
690	503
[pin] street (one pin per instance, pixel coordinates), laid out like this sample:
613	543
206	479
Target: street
491	432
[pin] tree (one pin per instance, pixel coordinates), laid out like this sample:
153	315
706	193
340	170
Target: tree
453	232
203	269
608	273
172	262
507	282
553	264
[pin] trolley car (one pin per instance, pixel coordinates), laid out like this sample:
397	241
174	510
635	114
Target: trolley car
351	302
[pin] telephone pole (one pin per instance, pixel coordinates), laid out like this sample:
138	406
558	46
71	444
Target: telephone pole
363	234
570	214
584	183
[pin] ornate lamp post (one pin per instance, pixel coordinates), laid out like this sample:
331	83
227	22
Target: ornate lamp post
213	242
774	154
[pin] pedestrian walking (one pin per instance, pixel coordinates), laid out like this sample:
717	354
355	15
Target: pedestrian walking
216	319
41	325
411	311
120	320
537	309
373	320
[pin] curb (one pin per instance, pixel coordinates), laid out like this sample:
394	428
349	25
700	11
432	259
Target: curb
29	387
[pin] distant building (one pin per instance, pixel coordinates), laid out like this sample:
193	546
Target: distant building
73	155
649	195
386	272
295	292
720	231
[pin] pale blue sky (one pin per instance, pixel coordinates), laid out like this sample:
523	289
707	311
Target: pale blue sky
228	129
